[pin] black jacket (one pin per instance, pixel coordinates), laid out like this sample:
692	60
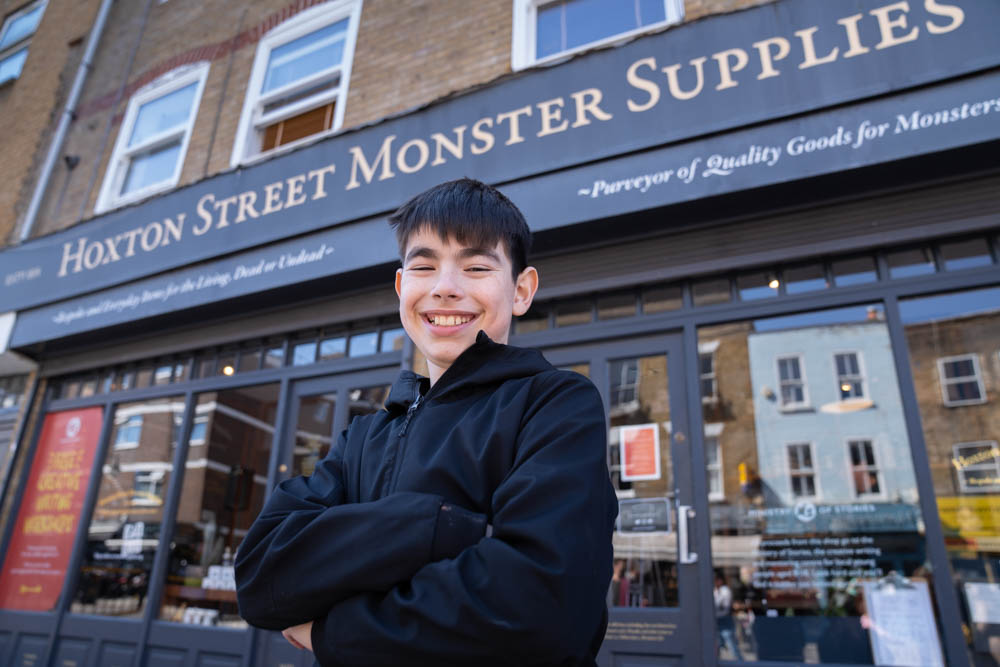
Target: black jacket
385	546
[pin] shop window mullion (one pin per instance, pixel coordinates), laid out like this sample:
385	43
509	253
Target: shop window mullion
944	590
286	400
157	575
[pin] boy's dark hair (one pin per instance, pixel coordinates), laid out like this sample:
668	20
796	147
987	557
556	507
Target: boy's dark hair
469	211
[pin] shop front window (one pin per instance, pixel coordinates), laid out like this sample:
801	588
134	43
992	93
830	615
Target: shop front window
954	345
123	533
225	481
818	545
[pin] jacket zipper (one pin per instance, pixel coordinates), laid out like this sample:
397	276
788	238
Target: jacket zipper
400	448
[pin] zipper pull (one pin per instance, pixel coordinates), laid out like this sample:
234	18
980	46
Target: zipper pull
409	415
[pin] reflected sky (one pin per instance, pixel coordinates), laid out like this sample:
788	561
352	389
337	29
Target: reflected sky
864	313
945	306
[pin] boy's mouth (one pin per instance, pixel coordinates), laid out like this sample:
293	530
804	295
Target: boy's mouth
446	320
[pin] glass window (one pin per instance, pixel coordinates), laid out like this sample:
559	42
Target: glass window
570	313
791	382
332	348
913	262
149	152
854	271
536	319
15	38
808	278
818	534
613	306
362	344
274	357
961	381
707	292
392	340
661	299
713	467
850	380
624	376
225	481
12	390
965	254
304	353
124	529
706	371
226	364
162	374
944	333
546	29
249	360
299	81
760	285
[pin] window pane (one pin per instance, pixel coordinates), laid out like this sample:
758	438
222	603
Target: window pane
363	344
573	312
854	271
10	67
151	168
123	531
801	279
164	113
332	348
297	127
661	299
21	27
392	340
961	442
536	319
708	292
304	353
317	51
249	360
906	263
571	23
613	306
227	363
225	480
274	357
754	286
965	254
793	482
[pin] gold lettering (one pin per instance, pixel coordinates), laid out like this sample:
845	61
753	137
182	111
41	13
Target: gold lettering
674	85
173	229
69	256
886	25
514	136
295	194
247	200
763	47
850	24
589	100
956	15
204	215
224	205
550	114
320	176
637	81
725	71
441	141
483	136
272	197
368	172
422	150
809	49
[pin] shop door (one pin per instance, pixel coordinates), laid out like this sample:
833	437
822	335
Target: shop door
318	410
653	598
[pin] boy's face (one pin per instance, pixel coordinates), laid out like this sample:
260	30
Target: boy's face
449	291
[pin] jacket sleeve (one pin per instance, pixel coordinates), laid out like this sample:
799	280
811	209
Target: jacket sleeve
309	548
532	593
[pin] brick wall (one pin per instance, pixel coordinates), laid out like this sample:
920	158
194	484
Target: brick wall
408	53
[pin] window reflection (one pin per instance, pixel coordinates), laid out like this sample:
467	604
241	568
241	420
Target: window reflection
817	540
954	346
225	477
124	530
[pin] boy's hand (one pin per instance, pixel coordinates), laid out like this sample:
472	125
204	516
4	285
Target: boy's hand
299	636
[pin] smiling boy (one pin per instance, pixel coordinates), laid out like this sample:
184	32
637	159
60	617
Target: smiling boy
470	521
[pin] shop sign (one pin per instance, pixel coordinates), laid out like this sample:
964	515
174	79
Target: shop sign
902	628
808	517
640	452
42	543
970	516
644	515
698	79
892	128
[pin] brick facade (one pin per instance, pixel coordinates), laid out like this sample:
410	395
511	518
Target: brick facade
408	54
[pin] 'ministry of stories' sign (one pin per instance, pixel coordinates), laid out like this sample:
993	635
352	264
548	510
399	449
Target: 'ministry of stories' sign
726	72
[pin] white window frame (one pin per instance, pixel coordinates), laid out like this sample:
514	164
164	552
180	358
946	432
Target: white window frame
963	486
24	42
861	377
713	432
877	468
524	38
813	471
787	407
310	20
198	420
944	380
110	196
154	478
709	348
128	444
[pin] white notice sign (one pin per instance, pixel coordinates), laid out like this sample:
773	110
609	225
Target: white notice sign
984	602
902	630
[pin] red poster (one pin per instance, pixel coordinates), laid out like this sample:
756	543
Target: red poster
40	549
640	452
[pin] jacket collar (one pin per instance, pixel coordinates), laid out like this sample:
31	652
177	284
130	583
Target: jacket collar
483	362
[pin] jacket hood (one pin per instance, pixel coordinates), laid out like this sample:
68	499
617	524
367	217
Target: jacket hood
482	363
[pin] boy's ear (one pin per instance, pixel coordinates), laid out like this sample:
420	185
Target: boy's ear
524	290
399	281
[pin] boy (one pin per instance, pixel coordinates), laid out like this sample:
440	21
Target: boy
469	523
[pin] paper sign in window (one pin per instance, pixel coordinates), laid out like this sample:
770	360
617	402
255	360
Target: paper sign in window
640	452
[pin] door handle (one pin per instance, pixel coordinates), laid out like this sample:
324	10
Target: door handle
685	556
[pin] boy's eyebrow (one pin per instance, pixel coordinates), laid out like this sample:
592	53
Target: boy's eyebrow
464	253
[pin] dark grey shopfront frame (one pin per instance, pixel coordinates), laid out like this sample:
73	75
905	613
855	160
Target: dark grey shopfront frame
46	628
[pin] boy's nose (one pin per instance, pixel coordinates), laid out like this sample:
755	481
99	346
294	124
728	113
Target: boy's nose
447	285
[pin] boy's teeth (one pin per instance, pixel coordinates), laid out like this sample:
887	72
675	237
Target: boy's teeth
449	320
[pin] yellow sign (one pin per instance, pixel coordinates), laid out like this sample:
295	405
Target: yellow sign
970	516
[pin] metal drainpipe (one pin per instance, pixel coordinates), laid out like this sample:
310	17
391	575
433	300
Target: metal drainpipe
67	117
